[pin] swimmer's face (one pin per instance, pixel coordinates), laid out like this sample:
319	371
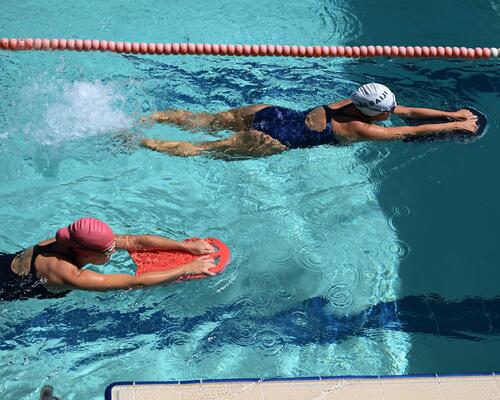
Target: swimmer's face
103	257
97	258
100	259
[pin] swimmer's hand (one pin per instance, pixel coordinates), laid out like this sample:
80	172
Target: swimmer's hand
469	125
462	115
199	247
201	265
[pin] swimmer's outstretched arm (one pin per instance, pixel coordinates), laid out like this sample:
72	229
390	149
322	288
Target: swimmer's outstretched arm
376	132
425	113
153	242
75	278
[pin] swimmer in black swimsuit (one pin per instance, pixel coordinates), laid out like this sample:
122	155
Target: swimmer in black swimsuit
264	129
55	266
14	286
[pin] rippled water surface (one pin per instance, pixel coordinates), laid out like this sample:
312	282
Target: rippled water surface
324	240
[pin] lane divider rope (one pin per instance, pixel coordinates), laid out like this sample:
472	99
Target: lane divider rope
247	49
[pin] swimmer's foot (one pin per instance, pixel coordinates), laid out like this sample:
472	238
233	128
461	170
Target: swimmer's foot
167	116
182	149
170	116
148	121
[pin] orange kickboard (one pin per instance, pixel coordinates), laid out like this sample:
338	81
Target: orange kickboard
149	261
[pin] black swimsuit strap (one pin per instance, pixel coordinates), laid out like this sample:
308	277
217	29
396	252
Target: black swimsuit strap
330	112
36	252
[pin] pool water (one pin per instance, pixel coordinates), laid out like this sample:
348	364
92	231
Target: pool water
336	251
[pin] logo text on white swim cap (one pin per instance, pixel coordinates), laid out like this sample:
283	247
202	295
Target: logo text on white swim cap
379	99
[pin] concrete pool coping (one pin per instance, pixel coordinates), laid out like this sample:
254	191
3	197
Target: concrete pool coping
480	386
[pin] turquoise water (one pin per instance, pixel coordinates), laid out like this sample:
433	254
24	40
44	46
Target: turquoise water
346	228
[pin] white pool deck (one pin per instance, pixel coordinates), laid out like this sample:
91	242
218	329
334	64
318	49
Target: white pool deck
438	387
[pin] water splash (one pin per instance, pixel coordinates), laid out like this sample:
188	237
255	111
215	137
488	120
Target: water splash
79	109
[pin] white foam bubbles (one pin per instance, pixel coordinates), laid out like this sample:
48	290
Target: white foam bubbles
76	110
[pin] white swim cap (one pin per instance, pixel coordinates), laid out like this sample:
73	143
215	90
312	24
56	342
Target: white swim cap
373	99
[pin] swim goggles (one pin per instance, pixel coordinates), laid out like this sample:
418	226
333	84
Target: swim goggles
110	251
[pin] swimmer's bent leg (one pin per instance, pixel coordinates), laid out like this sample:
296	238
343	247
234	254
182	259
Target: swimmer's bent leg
235	119
250	143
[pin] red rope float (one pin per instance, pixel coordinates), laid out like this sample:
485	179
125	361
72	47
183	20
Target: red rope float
248	50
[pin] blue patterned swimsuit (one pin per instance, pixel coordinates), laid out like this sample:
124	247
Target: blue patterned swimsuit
290	129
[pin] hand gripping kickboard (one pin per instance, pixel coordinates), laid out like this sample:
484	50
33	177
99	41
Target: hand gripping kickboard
457	136
148	261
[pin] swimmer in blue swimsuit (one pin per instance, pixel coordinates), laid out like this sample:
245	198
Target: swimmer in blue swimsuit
290	129
264	129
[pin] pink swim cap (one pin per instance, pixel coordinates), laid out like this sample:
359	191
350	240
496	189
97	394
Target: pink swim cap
87	234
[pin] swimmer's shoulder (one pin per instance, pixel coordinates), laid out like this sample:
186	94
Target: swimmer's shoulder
315	119
49	260
339	104
55	269
46	242
321	109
